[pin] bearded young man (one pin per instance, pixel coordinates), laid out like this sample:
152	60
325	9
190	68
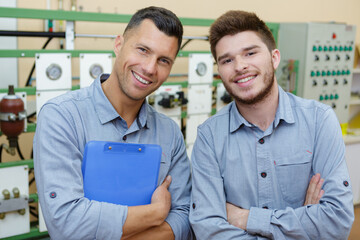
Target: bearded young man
256	165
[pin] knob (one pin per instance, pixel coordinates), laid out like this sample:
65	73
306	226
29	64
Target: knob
314	83
325	83
336	82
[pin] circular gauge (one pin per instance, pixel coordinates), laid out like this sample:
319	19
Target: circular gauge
201	69
53	72
95	70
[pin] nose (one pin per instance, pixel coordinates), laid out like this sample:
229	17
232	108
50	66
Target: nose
150	66
240	64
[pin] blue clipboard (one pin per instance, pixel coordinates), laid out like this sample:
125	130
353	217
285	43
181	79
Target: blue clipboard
120	173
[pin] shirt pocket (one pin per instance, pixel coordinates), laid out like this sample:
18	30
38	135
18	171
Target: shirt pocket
293	176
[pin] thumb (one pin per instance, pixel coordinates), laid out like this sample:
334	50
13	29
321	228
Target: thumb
167	182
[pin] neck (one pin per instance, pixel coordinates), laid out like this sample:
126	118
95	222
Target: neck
127	108
262	114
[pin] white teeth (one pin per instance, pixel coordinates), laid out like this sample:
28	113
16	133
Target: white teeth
245	79
140	79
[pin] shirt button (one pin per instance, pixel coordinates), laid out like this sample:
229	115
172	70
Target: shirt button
124	138
346	183
193	206
261	141
53	194
263	174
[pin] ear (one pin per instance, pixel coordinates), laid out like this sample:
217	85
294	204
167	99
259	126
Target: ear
119	42
275	55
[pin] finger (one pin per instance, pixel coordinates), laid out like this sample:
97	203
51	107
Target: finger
310	193
318	191
167	182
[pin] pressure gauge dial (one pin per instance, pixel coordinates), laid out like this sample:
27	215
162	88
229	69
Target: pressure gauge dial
95	70
53	72
201	69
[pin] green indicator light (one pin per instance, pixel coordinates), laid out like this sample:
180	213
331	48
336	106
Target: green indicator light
317	73
331	97
314	48
335	48
326	97
328	73
350	48
323	73
336	96
321	98
338	72
345	48
340	48
320	48
343	72
312	73
348	72
325	48
333	72
330	48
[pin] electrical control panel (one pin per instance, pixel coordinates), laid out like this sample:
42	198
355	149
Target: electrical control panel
325	55
92	65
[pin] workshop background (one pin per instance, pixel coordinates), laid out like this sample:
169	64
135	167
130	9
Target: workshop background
319	43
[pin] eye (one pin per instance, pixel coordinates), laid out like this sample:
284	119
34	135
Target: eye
250	53
164	61
141	49
226	61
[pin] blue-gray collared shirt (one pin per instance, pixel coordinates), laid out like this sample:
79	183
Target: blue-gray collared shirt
65	124
269	171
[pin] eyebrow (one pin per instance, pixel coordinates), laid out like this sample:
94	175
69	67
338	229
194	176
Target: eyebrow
242	50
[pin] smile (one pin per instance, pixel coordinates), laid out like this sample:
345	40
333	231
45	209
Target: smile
140	79
246	79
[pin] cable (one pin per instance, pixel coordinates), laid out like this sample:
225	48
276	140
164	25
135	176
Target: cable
1	148
18	149
28	82
185	43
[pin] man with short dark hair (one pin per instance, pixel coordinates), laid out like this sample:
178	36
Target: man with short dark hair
256	164
114	109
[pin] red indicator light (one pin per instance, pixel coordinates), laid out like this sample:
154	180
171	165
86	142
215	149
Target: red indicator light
334	36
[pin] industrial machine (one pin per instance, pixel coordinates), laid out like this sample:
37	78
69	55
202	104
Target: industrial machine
325	55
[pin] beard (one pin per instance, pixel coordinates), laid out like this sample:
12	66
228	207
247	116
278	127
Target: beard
269	79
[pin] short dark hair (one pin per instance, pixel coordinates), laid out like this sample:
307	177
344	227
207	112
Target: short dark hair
165	20
233	22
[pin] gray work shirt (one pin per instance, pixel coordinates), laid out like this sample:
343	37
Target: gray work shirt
65	124
269	171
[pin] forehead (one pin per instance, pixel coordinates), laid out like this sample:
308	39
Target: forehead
239	40
147	34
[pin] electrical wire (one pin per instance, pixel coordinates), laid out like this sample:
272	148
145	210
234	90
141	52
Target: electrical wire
1	148
28	82
19	151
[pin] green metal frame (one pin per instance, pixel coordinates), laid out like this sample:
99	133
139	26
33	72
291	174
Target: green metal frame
84	16
74	53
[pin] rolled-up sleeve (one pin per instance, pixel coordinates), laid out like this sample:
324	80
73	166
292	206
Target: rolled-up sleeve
57	164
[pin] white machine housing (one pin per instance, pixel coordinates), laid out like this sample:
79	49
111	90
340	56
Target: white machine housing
92	65
53	71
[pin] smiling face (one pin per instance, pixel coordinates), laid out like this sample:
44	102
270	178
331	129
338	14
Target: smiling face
144	57
246	66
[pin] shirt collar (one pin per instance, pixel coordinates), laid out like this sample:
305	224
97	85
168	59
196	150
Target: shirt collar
283	112
105	110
